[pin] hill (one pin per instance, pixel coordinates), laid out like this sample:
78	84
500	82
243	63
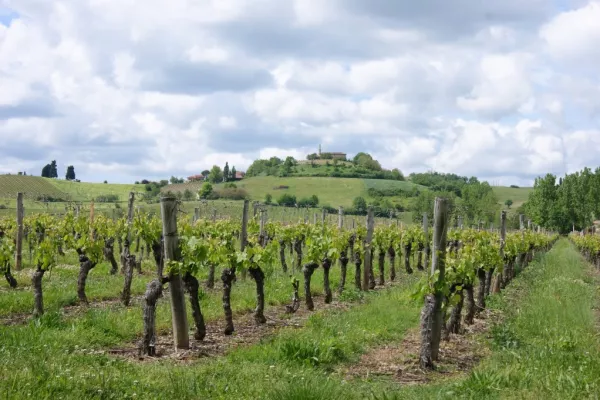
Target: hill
517	195
32	187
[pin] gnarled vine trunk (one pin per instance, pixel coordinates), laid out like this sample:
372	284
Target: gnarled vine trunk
371	273
85	266
129	266
12	282
228	277
157	252
427	318
392	255
282	256
192	286
153	293
357	276
420	257
327	287
38	296
454	321
298	249
290	309
259	277
343	271
470	312
381	262
109	255
210	281
308	271
481	290
407	249
488	281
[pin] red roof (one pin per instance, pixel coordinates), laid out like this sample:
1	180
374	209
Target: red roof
239	174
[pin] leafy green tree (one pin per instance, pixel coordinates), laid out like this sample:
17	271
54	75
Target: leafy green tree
268	198
287	200
216	175
359	204
53	169
188	195
508	203
233	173
70	176
205	190
226	177
46	171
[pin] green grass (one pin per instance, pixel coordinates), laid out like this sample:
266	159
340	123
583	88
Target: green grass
517	195
31	186
84	191
546	347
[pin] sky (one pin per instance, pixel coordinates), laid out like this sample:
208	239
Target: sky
504	90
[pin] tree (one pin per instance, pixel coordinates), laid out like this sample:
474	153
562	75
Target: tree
205	173
268	198
397	175
46	171
287	200
53	169
175	180
215	175
188	195
226	172
359	204
70	176
233	173
206	190
508	203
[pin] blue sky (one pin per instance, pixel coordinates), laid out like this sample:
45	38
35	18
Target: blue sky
504	90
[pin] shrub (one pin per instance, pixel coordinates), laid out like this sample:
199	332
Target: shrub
514	186
287	200
232	193
205	190
230	185
3	207
268	198
360	204
188	195
107	198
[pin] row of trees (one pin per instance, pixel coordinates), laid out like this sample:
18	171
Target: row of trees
51	171
572	202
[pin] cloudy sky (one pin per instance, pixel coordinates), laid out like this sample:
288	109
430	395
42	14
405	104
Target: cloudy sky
504	90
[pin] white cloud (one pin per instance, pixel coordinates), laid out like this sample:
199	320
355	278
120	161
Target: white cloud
172	87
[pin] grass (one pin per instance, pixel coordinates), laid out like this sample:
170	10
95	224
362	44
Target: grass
517	195
31	186
84	191
546	347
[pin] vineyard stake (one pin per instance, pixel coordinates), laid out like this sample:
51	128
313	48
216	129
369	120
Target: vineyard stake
168	207
431	315
368	239
19	244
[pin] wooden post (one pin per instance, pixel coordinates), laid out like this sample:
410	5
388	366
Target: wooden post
19	244
314	218
341	218
431	315
498	278
129	215
367	258
460	222
244	231
529	224
323	216
521	221
196	214
426	233
168	207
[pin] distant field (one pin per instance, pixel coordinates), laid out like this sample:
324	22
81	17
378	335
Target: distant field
31	186
386	184
517	195
82	191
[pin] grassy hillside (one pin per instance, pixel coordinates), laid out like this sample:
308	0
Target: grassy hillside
517	195
82	191
32	187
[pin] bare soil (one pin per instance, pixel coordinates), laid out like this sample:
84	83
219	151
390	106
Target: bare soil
400	361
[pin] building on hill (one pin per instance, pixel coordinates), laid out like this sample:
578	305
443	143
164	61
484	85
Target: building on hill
326	155
196	178
239	175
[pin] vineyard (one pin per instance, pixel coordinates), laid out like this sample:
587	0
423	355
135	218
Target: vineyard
146	294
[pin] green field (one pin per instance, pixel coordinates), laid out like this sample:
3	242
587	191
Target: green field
31	186
83	191
517	195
